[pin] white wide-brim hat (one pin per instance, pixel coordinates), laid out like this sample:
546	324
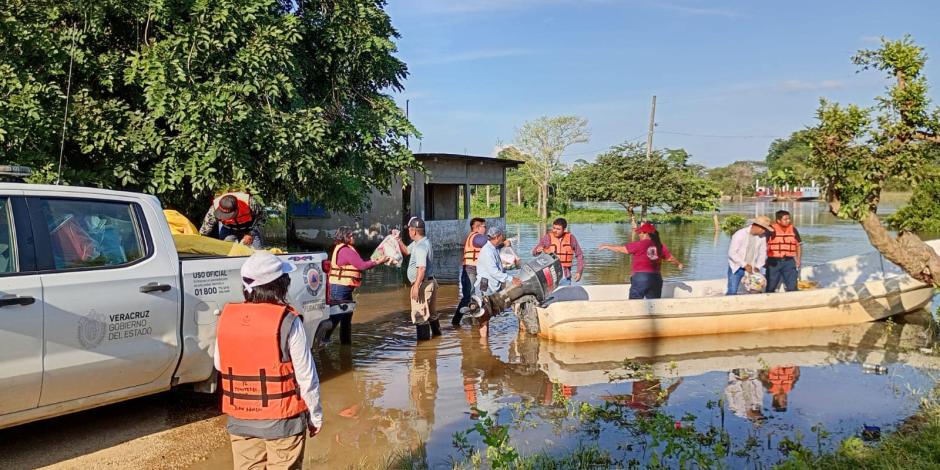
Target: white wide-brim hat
262	268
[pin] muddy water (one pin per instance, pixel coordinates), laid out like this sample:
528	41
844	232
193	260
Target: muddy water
386	397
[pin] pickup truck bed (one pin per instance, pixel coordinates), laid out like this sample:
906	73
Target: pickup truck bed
96	305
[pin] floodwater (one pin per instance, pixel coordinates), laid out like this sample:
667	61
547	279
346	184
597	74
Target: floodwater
387	401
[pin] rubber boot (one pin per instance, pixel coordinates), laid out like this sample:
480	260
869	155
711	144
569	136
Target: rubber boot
335	320
424	331
456	319
435	327
345	328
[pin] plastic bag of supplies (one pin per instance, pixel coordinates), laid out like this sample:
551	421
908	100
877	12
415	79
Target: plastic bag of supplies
388	248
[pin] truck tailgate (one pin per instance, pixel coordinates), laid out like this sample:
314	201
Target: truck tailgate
208	283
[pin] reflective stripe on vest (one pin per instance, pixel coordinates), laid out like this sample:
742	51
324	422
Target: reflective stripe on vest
243	218
562	248
783	242
470	252
257	374
346	275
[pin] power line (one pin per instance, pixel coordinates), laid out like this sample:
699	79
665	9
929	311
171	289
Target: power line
718	136
592	152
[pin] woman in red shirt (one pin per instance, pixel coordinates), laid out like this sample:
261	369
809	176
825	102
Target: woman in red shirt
648	253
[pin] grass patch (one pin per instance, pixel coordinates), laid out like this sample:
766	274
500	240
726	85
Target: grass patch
916	445
517	214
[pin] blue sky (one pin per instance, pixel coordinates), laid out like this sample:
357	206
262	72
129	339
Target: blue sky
749	70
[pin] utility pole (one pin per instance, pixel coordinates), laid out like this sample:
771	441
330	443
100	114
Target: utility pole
407	140
649	137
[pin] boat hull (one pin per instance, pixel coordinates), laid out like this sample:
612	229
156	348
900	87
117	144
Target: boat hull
853	290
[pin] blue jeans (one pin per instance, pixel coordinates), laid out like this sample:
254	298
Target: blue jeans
734	280
225	233
468	277
781	270
340	294
646	286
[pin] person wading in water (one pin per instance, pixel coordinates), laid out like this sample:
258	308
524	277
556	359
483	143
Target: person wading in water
346	268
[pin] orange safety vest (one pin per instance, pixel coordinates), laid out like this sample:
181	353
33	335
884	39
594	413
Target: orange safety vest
783	242
470	252
781	379
258	379
562	248
346	275
243	218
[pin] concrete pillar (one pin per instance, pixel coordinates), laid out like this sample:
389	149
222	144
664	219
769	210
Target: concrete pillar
502	198
466	200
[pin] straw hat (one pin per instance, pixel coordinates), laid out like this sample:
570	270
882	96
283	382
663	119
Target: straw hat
763	221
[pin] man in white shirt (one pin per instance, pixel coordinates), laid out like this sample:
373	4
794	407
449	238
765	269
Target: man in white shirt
491	277
748	251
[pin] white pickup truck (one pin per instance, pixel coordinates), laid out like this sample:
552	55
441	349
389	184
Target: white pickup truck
96	306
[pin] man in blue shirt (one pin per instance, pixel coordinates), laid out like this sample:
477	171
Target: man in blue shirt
421	276
491	277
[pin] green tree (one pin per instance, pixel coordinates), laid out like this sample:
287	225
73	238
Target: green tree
859	150
737	178
791	157
540	144
625	175
685	187
286	99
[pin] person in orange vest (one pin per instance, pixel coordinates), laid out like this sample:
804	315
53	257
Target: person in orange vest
346	268
270	389
564	245
783	253
235	217
780	381
475	241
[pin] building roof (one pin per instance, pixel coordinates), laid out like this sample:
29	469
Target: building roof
505	162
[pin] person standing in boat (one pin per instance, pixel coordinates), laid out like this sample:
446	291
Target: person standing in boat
747	252
648	253
783	254
565	246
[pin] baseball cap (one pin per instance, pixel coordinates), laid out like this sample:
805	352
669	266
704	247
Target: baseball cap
645	227
263	267
416	222
493	232
227	208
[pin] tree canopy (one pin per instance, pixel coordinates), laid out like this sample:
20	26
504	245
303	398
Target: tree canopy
181	99
540	143
625	175
738	178
859	150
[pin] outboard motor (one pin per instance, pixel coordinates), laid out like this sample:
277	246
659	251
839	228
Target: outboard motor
539	278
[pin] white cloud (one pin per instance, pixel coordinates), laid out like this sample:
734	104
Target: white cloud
873	40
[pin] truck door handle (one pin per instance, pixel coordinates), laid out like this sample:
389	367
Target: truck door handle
154	287
9	300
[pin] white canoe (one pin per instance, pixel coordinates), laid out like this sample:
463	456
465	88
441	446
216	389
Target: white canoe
603	362
850	290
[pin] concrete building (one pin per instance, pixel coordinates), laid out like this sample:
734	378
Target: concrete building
440	196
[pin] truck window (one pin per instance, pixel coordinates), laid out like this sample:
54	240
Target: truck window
7	249
88	233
